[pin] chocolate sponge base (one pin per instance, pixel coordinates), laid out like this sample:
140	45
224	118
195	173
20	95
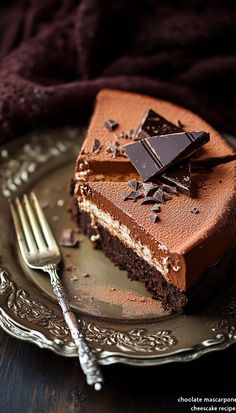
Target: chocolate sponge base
172	298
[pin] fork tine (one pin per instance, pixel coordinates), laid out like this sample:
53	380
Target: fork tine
34	225
44	224
20	238
29	245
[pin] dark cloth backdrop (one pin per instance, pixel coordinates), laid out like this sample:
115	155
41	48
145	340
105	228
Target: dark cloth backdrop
56	55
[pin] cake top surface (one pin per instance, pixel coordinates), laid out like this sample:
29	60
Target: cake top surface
127	110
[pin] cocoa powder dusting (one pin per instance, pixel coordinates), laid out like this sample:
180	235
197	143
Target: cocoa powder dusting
132	303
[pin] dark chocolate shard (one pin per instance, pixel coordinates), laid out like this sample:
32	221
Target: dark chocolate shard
69	238
153	217
111	149
115	149
124	197
131	134
122	135
194	210
149	200
149	188
111	125
179	175
152	156
96	145
133	195
167	197
180	125
156	208
154	124
159	196
169	189
134	184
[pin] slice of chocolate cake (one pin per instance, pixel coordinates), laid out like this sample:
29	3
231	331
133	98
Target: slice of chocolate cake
178	253
181	246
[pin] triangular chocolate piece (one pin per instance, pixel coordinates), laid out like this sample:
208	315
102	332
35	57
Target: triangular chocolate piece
152	156
179	175
154	124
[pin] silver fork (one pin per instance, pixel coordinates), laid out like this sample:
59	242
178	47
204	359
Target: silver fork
40	251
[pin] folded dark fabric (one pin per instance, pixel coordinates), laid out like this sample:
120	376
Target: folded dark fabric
56	55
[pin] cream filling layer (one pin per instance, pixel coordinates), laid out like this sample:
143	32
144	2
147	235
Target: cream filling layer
163	265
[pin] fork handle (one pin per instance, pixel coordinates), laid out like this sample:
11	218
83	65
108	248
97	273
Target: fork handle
87	358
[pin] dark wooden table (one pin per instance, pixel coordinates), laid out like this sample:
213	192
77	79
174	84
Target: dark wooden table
37	381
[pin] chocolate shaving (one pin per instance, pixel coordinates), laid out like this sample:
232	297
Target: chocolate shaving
153	217
115	149
111	149
159	196
134	184
111	125
167	197
169	189
122	135
156	208
131	134
180	125
96	146
149	188
149	200
69	238
124	197
194	210
133	196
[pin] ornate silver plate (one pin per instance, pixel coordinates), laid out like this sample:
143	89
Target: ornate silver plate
121	321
